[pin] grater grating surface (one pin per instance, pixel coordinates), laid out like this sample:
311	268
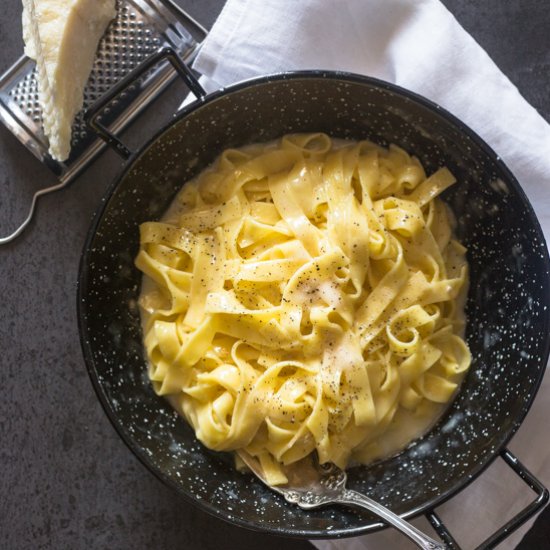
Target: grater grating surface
140	28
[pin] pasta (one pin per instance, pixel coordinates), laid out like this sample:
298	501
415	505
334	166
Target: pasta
306	295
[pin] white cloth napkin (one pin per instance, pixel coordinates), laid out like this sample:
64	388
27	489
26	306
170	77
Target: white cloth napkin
419	45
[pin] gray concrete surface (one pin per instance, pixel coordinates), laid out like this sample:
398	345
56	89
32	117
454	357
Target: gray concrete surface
66	479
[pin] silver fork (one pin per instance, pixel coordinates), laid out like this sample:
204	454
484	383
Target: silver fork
311	485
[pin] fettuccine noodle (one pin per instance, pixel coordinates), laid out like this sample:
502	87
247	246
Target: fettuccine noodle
306	295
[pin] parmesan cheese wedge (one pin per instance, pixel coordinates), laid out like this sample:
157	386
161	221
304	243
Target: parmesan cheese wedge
62	37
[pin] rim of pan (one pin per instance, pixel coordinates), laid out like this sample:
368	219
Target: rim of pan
82	284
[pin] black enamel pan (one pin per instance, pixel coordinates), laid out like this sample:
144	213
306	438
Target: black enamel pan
508	307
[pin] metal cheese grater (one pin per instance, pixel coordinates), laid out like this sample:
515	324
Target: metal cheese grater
140	29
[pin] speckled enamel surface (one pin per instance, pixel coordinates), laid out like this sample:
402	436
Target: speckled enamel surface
508	305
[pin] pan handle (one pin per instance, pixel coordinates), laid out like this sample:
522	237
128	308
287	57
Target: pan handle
93	114
508	528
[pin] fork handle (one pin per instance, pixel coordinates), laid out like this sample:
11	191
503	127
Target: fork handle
418	537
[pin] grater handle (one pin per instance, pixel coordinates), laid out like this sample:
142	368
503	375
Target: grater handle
94	112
